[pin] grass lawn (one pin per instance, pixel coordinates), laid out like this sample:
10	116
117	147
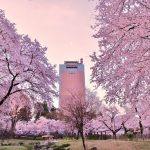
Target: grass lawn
77	144
109	144
26	144
13	148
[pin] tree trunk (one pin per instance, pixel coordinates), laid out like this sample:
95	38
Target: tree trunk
83	140
101	135
13	126
141	129
125	129
77	137
114	135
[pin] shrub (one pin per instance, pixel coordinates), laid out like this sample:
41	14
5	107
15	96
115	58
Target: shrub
130	135
60	147
21	143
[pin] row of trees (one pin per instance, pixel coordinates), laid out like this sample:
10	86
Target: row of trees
79	118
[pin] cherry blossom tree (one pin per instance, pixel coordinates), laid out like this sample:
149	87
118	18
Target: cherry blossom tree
76	114
80	111
24	66
111	120
121	66
110	117
13	108
41	127
52	125
93	100
26	128
95	126
139	115
126	118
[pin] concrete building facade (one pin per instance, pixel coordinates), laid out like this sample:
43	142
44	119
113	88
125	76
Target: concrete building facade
72	81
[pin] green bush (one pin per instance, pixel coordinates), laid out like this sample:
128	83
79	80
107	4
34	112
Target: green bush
130	135
21	143
60	147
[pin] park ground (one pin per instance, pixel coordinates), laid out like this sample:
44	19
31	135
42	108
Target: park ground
77	144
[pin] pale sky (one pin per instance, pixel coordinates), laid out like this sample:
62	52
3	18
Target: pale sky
63	26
